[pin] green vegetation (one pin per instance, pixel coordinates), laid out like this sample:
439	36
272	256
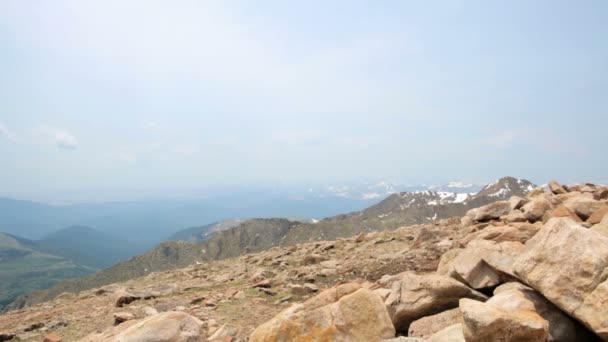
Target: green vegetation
23	269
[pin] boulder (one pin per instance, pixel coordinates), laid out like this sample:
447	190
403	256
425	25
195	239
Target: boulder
514	216
520	232
568	264
445	261
516	296
490	211
484	263
344	313
483	322
601	194
563	211
414	296
517	202
598	215
602	227
536	209
453	333
429	325
584	206
556	188
170	326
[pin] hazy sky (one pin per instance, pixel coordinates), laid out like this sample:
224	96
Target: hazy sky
160	94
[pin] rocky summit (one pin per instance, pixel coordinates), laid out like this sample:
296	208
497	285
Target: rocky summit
531	266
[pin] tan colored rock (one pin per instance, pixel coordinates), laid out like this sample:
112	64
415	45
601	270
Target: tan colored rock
556	188
520	232
490	211
568	264
170	326
414	296
453	333
517	202
536	192
514	216
429	325
52	337
446	260
120	317
602	227
589	187
601	194
224	331
563	211
484	263
483	322
584	206
536	209
516	296
344	313
598	215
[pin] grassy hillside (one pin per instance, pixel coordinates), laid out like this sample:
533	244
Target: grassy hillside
86	246
23	269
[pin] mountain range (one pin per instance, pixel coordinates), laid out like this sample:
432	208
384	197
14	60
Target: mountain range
234	238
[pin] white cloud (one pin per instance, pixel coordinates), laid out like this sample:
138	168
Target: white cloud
151	124
58	137
8	135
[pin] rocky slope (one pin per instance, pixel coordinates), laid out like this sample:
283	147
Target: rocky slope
523	269
397	210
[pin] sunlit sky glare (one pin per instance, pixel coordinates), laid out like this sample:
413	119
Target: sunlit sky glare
176	94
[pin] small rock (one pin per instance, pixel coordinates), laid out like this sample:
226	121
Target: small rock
4	336
223	332
312	259
120	317
264	283
52	337
149	311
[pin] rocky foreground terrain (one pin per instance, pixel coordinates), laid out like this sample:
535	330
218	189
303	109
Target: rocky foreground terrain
528	268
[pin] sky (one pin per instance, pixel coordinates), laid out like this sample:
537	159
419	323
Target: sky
114	95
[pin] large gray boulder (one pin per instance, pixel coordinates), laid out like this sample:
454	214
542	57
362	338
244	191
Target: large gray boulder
568	264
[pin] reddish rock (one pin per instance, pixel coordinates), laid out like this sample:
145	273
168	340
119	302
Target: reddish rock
52	337
598	215
563	211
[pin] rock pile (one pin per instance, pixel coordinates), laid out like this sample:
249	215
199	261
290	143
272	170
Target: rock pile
532	269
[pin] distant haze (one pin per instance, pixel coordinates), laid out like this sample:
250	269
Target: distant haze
156	97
